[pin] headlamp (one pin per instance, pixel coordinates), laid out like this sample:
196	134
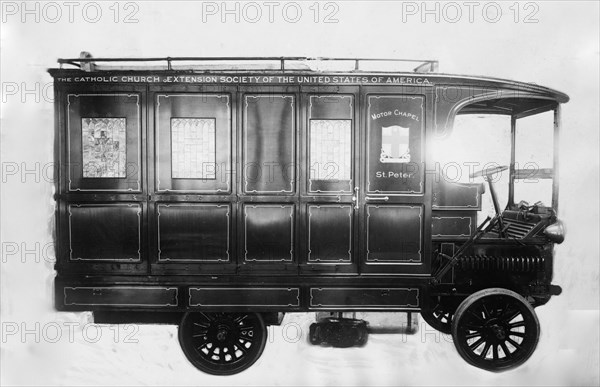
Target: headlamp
555	232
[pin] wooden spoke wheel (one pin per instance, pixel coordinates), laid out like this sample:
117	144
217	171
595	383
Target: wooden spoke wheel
439	312
495	329
222	343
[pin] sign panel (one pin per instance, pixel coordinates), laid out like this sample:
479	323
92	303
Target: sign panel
395	144
236	79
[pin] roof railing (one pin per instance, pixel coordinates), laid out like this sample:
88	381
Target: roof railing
285	63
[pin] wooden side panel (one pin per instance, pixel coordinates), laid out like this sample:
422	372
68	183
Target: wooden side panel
269	233
239	296
121	296
394	233
194	232
457	196
193	142
330	233
104	142
451	224
269	137
367	298
105	232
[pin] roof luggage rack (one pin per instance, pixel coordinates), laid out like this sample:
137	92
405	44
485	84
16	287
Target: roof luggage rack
284	63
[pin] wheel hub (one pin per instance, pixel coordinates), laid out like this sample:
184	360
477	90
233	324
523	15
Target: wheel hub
494	331
222	335
498	331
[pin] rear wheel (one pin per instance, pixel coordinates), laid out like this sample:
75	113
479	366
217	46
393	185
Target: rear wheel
495	329
222	343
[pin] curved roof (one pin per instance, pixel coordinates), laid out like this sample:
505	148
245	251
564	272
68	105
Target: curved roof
510	85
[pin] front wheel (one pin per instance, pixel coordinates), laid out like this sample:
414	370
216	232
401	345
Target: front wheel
222	343
495	329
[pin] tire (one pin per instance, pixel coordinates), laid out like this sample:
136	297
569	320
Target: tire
495	329
222	343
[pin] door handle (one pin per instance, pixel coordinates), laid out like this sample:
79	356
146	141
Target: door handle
380	198
355	198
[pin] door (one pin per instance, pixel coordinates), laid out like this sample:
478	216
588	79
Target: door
329	180
393	199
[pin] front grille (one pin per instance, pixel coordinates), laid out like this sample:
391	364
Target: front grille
514	264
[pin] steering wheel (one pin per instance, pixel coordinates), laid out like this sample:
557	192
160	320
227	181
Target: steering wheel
488	171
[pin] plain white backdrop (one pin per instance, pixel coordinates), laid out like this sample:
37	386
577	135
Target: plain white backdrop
553	43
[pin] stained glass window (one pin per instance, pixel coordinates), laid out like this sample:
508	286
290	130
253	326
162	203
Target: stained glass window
193	148
394	144
104	146
330	149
